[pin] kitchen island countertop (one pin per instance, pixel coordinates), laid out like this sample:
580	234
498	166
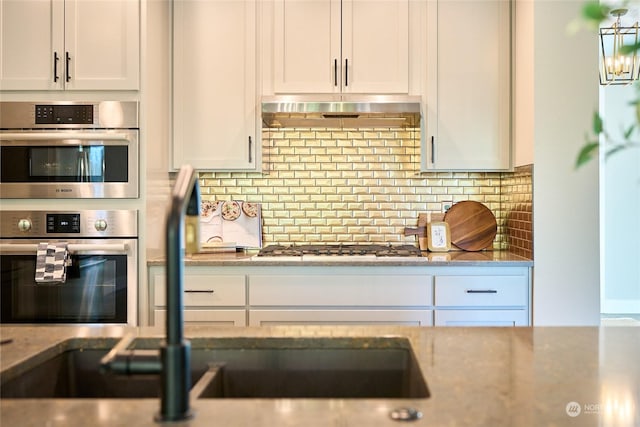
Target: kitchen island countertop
580	376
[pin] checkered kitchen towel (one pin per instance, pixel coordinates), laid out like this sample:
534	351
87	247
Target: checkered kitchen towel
51	262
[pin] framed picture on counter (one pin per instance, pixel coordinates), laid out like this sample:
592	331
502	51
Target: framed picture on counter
438	236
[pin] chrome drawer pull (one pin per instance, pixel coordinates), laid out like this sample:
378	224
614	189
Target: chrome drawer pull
482	291
199	291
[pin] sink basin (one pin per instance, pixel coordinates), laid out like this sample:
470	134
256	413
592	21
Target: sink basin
242	368
75	373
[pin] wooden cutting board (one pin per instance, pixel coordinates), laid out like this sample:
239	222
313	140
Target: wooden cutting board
421	230
473	226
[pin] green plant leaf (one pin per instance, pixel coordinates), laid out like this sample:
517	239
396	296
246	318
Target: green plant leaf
587	153
615	149
628	132
629	48
595	11
597	123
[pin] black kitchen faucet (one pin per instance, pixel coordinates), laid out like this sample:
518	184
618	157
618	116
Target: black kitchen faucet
173	361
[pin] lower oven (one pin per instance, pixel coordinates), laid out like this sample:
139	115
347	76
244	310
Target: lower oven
99	250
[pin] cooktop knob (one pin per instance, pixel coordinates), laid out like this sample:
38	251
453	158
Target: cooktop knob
100	224
24	224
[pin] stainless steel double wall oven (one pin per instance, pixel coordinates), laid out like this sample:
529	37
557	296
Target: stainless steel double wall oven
69	150
101	266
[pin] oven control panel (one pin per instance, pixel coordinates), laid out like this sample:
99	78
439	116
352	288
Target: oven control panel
64	114
85	223
63	223
69	115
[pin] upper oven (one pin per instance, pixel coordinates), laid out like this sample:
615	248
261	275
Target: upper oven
69	150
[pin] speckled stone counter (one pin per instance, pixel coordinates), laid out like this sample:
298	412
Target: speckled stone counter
476	376
451	258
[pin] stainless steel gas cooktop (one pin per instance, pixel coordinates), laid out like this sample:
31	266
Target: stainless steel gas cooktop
340	250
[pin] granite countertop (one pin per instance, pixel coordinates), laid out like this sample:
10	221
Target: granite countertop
476	376
451	258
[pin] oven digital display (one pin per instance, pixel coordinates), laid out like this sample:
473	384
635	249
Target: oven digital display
63	223
64	114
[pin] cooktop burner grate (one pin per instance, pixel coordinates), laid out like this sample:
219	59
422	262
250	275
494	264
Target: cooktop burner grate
379	250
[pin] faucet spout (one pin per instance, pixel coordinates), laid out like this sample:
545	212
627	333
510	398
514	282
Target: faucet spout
175	353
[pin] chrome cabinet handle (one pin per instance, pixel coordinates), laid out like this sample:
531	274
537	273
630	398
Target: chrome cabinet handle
68	60
481	291
250	144
335	72
199	291
56	58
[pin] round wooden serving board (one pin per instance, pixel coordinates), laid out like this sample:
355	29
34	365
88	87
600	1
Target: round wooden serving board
473	226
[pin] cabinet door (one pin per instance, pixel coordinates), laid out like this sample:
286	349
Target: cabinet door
32	36
102	40
214	84
306	51
259	317
481	318
205	317
468	87
333	46
481	291
70	44
204	290
375	46
340	290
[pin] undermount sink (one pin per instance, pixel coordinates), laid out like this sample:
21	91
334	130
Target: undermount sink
241	368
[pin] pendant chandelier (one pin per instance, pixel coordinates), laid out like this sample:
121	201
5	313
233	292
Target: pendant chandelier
617	68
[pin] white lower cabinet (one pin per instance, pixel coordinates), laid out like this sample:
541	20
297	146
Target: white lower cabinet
209	316
288	316
350	295
483	300
210	297
481	318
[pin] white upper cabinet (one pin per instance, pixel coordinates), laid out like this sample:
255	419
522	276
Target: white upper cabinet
468	86
214	84
341	46
70	45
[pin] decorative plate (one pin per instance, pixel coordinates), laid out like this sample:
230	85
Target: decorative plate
208	207
250	209
230	210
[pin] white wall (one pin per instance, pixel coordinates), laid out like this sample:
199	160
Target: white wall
158	108
156	91
565	217
620	207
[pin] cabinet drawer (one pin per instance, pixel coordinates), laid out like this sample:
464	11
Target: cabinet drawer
205	290
208	317
340	290
481	318
487	291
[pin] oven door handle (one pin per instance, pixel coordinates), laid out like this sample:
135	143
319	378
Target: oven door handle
37	136
71	247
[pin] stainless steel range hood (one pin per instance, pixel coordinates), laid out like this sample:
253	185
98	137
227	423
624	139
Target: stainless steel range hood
340	111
